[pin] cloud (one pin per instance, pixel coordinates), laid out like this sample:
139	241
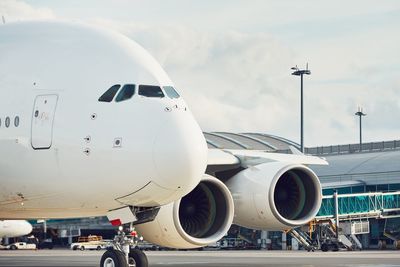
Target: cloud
238	79
241	82
233	81
13	10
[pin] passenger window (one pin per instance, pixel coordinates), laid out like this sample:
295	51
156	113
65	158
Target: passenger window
7	123
108	96
127	91
170	91
150	91
16	121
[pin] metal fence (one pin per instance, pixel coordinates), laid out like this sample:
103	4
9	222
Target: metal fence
352	148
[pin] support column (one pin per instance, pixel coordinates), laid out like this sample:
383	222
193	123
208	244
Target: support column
264	238
284	245
336	199
44	230
295	244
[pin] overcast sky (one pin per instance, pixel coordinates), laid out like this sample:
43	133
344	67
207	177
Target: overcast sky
231	59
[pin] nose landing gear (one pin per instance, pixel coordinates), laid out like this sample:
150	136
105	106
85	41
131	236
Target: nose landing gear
122	252
116	258
113	258
137	258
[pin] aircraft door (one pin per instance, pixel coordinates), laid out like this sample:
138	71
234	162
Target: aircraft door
42	121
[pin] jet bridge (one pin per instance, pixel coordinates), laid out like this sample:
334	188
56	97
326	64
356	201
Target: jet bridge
361	205
352	211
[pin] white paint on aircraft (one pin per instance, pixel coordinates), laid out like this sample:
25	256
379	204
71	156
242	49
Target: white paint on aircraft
73	156
14	228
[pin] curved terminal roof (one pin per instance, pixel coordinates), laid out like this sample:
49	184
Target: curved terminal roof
371	168
253	141
376	167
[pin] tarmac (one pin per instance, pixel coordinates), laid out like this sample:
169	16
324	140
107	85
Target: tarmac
68	258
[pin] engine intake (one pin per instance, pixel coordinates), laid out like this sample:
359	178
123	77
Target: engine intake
275	196
198	211
200	218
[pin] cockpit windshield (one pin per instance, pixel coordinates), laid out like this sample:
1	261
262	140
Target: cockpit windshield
150	91
170	91
110	93
127	91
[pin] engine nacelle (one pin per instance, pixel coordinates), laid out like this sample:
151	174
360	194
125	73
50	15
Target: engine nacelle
200	218
275	196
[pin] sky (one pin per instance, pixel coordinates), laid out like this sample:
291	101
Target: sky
231	60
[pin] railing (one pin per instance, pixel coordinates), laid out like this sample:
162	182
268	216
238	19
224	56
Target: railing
367	204
352	148
348	148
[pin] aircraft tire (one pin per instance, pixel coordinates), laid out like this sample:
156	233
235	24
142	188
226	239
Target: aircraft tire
137	258
113	258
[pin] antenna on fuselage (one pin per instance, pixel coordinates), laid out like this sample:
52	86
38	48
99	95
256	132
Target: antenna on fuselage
3	19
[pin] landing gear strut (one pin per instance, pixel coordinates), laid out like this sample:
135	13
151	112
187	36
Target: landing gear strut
122	252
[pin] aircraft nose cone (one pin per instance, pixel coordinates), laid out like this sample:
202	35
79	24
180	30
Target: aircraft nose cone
26	228
180	154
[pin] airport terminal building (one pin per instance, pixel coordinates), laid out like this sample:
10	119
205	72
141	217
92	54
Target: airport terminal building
359	176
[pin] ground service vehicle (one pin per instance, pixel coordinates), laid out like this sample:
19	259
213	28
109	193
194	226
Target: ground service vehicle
21	245
89	243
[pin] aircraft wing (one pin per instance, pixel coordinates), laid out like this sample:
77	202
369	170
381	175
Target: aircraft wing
225	158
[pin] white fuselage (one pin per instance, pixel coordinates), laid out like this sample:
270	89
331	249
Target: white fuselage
73	156
14	228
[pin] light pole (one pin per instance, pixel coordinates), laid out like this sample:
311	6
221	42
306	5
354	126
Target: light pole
360	113
299	72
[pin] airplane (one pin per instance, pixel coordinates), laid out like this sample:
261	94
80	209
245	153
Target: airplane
14	228
91	125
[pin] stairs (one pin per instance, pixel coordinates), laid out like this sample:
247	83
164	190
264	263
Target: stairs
345	242
356	243
302	238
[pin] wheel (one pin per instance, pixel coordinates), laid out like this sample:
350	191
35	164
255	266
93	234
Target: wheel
335	247
137	258
382	244
98	248
74	247
82	248
113	258
324	247
13	247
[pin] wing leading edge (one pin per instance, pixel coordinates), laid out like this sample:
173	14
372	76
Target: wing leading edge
248	158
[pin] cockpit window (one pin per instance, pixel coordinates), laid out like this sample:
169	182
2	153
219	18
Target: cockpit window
150	91
108	96
170	91
127	91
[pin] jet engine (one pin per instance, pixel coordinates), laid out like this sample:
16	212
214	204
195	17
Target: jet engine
275	196
200	218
